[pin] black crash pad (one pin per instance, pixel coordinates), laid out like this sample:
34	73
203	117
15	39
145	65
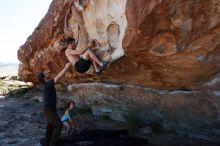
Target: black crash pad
100	138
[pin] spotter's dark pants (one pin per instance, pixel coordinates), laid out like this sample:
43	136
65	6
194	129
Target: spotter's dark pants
53	128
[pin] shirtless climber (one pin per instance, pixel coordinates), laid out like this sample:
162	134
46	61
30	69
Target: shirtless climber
82	60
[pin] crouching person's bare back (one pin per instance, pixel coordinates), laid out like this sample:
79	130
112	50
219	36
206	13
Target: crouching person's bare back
82	60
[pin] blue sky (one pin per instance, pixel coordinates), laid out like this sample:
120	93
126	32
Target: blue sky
18	18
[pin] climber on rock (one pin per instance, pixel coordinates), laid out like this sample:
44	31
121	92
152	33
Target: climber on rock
82	60
54	125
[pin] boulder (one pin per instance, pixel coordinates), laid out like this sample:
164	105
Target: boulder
162	110
157	43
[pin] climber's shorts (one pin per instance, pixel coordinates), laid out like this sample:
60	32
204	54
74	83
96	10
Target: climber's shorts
83	65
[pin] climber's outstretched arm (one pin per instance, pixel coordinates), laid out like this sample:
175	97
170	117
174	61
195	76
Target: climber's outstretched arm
61	74
75	52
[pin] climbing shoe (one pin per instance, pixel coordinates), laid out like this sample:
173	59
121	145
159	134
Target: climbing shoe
105	64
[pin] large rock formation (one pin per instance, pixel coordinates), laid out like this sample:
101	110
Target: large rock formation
184	112
164	44
169	44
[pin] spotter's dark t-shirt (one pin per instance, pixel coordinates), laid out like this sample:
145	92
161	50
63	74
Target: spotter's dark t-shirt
49	94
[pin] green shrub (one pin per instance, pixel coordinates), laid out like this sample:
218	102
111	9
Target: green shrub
84	110
156	127
2	84
132	122
106	117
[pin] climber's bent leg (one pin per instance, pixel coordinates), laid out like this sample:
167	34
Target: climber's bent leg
89	55
86	60
95	66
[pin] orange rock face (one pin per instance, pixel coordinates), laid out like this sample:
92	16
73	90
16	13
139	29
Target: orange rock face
166	44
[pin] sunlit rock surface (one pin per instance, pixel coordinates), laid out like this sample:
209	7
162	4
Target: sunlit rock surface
157	43
165	58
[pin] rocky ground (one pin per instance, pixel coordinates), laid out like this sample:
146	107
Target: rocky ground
22	123
10	85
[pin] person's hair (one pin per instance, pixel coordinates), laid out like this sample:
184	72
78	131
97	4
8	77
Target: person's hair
72	102
70	40
41	77
94	43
